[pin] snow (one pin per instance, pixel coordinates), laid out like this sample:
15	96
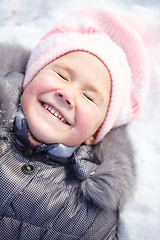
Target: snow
27	21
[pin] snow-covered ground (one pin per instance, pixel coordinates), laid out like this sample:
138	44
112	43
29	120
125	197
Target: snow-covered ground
27	21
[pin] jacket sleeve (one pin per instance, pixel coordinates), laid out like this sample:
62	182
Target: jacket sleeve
13	60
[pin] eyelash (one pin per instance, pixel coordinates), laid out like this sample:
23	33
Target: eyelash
89	98
60	75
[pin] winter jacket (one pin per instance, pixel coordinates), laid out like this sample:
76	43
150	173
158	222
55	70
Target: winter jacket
43	197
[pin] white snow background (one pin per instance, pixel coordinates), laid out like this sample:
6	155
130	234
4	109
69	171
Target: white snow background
27	21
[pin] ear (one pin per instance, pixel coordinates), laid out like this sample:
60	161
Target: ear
89	141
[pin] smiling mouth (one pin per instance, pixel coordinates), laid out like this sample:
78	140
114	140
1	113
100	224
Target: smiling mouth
55	113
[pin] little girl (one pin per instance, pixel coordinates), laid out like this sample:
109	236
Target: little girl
66	164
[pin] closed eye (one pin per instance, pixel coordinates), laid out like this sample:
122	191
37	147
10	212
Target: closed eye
61	76
88	97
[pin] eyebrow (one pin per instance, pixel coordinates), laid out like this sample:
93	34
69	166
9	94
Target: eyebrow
71	73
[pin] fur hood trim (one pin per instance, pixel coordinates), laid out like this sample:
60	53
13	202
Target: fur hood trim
114	179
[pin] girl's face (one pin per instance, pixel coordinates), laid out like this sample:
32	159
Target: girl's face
68	100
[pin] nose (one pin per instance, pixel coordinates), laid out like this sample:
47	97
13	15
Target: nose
66	97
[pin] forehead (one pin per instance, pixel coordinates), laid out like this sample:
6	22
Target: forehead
81	58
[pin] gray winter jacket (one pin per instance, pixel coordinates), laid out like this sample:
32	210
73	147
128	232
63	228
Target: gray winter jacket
42	198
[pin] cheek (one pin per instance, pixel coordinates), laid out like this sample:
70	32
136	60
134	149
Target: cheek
34	89
25	102
86	120
46	81
39	85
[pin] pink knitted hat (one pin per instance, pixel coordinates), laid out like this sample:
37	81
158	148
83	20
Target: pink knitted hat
118	46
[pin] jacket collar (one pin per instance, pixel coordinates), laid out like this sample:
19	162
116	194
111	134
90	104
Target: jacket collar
58	150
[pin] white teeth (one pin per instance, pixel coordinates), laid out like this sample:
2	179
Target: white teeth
54	112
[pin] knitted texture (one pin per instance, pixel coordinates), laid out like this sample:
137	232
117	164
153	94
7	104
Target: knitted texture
116	44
